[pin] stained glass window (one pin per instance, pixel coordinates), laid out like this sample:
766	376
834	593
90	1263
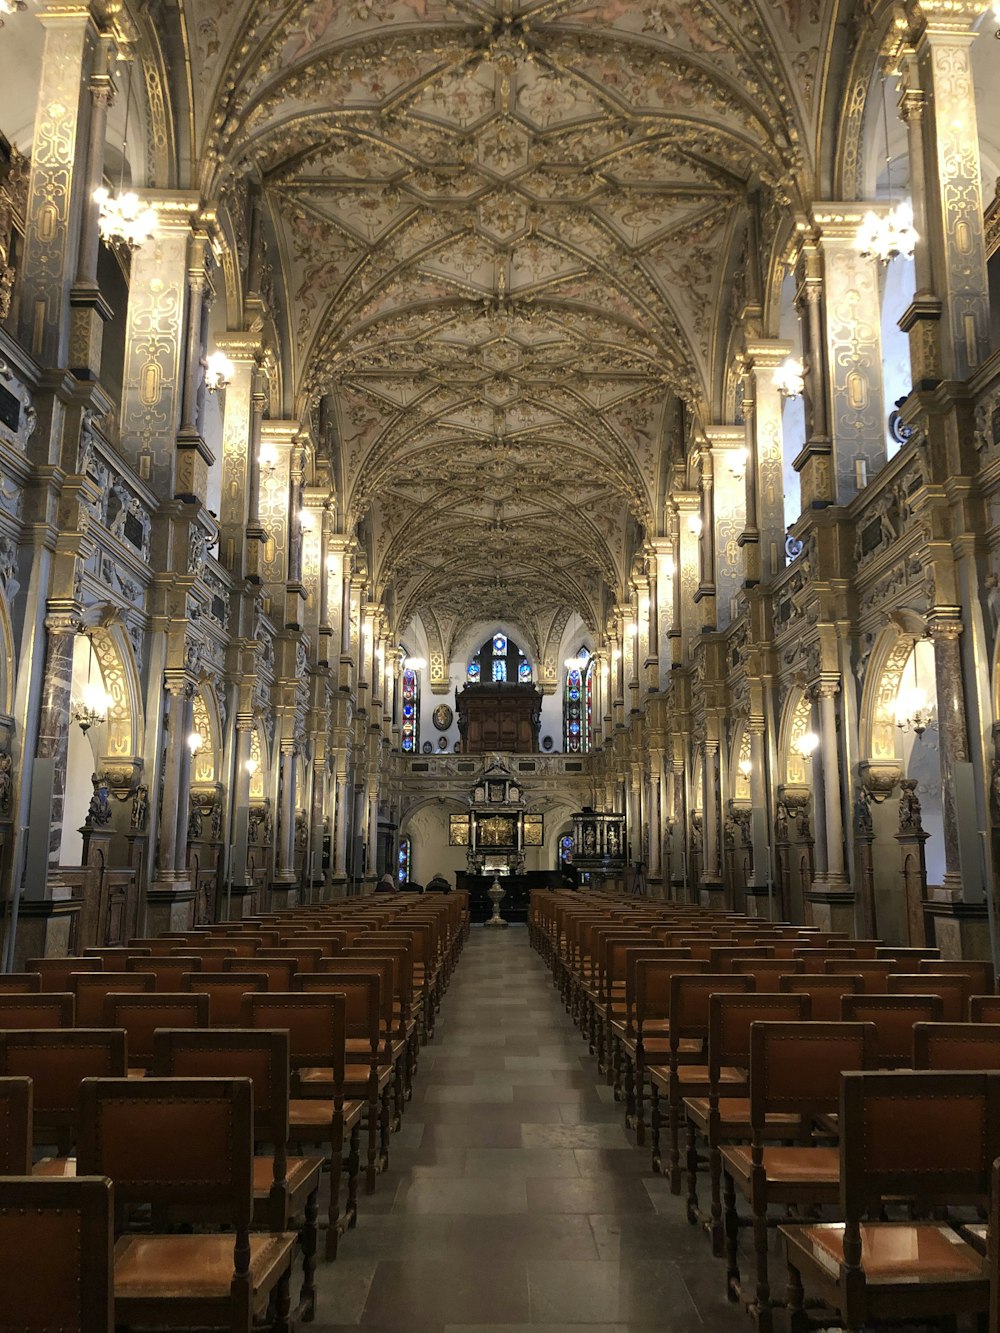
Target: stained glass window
499	668
566	849
410	721
499	660
473	673
578	700
403	861
499	645
524	670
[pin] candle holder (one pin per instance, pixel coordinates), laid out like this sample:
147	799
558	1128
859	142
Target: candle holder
496	894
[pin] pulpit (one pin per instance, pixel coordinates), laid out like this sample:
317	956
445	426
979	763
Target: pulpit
499	716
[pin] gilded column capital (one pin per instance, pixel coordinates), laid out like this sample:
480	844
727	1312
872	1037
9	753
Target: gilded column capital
945	625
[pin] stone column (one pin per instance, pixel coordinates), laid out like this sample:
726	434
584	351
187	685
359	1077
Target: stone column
650	626
170	897
710	876
240	466
705	593
760	826
48	774
284	871
728	513
813	462
949	320
834	818
953	736
317	827
686	580
342	826
763	539
618	672
241	805
90	309
630	657
56	208
664	556
853	351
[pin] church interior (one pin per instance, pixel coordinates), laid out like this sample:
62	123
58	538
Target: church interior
497	514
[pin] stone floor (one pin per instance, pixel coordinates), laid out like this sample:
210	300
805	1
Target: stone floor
515	1196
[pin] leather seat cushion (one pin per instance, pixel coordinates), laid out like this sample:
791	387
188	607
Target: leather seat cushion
297	1173
178	1267
789	1166
734	1115
306	1112
894	1251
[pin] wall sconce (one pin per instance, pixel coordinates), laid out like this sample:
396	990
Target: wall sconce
737	461
746	768
790	378
195	742
252	766
94	702
670	565
219	372
695	524
633	629
306	520
414	663
267	459
806	744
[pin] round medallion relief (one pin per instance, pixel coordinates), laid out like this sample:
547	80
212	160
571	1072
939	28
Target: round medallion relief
442	717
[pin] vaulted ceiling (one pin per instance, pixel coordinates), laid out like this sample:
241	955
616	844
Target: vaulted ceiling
512	238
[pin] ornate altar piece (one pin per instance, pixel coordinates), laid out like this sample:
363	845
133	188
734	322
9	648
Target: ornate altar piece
599	842
497	828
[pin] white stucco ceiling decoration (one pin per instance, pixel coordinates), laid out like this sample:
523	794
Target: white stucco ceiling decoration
509	236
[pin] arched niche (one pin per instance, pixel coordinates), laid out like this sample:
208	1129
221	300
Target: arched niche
739	753
7	660
119	674
206	763
260	763
795	768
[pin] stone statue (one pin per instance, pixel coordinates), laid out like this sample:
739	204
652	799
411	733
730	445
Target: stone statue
99	812
140	808
6	783
909	807
863	825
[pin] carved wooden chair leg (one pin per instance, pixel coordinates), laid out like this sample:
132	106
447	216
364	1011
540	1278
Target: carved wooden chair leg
797	1321
716	1224
310	1230
762	1301
692	1173
353	1175
336	1170
654	1127
732	1223
674	1125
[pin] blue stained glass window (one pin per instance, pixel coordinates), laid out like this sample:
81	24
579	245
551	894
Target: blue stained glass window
577	704
500	645
566	848
473	673
500	669
524	672
403	861
410	730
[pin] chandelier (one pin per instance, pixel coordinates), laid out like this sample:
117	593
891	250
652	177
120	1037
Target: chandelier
219	370
915	710
92	707
12	7
124	219
893	235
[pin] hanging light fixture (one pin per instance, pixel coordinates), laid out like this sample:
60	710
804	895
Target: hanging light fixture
806	744
124	218
915	710
219	371
12	7
746	768
92	707
790	378
886	238
195	742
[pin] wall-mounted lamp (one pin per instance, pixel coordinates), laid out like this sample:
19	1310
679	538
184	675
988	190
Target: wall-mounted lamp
219	372
195	742
252	766
670	566
94	702
695	524
746	768
267	459
806	744
790	378
737	461
414	663
307	520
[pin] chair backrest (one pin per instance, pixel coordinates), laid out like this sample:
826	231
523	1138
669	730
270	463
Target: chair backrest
56	972
168	969
954	989
15	1128
361	995
907	956
980	973
57	1060
766	971
721	957
872	971
210	955
305	957
690	996
225	991
929	1137
652	986
731	1016
824	990
141	1015
114	956
259	1054
92	989
20	983
56	1254
400	968
279	971
984	1008
795	1068
179	1142
956	1046
893	1017
316	1023
245	946
37	1011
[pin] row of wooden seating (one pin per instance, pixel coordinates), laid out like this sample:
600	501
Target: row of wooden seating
319	1039
747	1038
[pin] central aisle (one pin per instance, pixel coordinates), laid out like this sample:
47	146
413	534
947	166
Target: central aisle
515	1196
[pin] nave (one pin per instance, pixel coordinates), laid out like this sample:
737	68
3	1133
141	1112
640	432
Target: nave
517	1197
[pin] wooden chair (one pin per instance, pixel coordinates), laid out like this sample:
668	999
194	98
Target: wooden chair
956	1046
57	1061
766	972
91	990
907	956
984	1008
368	1073
721	1117
15	1128
872	971
141	1015
980	974
953	988
650	1044
167	968
893	1017
56	972
56	1247
185	1147
932	1140
285	1190
305	957
316	1024
114	956
37	1011
825	991
225	991
680	1077
279	971
795	1070
20	983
